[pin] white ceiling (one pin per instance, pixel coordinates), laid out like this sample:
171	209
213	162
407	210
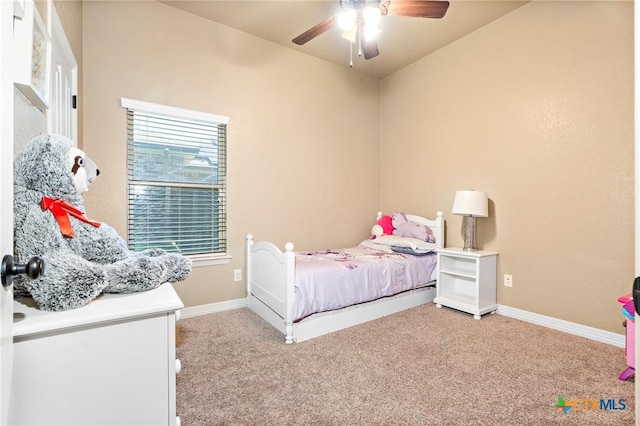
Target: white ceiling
403	40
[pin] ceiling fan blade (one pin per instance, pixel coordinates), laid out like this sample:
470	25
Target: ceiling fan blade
415	8
315	31
369	49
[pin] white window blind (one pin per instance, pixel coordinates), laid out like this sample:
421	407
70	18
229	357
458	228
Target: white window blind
176	166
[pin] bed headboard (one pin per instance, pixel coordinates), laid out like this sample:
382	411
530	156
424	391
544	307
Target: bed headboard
436	225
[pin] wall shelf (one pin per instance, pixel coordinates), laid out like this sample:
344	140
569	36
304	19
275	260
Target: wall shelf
32	54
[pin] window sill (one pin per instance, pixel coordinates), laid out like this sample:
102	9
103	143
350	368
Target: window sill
210	259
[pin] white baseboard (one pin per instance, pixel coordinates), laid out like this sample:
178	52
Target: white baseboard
542	320
211	308
562	325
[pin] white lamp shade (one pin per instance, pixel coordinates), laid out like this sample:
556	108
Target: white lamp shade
471	203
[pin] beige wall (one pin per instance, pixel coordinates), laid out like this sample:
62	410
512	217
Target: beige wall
537	110
303	134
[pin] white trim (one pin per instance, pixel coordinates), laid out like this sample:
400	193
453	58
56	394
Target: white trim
173	111
58	29
18	9
62	118
7	59
209	260
507	311
565	326
212	308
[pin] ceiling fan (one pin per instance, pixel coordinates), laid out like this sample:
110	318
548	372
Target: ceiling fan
359	20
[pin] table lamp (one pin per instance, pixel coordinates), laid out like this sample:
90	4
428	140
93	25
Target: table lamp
471	204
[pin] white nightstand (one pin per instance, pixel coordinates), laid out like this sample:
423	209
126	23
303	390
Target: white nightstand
467	280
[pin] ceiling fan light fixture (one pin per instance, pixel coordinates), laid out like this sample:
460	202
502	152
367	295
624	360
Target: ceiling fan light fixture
371	33
371	16
347	19
350	34
359	20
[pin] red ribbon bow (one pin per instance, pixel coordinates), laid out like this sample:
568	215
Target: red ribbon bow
61	211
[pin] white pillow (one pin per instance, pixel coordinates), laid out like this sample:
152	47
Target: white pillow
414	243
371	244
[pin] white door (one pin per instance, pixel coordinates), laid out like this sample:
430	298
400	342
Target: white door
6	202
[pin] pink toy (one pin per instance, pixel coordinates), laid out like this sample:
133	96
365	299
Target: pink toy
630	337
626	298
382	227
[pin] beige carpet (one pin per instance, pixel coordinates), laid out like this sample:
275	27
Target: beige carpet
424	366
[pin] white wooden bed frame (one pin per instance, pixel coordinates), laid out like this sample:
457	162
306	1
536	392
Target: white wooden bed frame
270	291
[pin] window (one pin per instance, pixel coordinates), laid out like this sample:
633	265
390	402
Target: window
176	180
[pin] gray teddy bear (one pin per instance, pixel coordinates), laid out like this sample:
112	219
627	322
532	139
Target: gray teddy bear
83	258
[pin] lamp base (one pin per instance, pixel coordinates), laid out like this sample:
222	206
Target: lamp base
470	233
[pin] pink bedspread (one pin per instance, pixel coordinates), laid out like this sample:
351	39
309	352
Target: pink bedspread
334	279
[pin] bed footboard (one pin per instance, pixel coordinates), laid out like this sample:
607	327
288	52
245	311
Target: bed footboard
270	286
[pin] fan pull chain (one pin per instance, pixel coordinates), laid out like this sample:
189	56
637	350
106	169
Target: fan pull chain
350	55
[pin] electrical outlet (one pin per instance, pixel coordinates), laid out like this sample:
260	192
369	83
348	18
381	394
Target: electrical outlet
237	274
508	280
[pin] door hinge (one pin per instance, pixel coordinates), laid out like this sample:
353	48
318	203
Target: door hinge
74	101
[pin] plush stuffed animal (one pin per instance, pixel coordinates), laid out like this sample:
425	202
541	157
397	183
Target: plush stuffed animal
403	227
82	258
383	226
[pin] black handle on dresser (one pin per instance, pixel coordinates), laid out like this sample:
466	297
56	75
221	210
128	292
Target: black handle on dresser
33	269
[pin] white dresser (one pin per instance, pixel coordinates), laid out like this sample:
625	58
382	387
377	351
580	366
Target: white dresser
111	362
